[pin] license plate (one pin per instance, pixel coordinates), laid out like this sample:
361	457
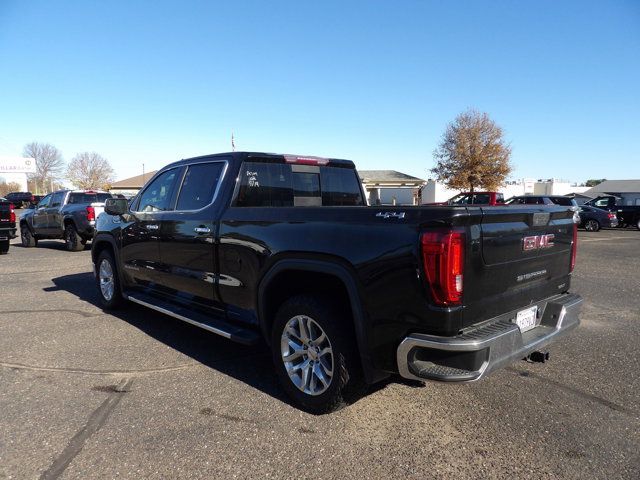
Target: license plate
526	319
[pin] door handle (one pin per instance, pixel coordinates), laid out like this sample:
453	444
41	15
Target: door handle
202	230
153	227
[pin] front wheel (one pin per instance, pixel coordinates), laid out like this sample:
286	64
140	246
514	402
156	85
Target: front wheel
108	282
591	225
314	353
27	238
72	239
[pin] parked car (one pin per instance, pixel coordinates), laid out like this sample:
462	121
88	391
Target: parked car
593	219
20	199
283	248
627	214
547	200
66	214
474	198
542	200
7	225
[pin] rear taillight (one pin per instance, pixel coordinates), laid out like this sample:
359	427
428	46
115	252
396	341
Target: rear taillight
443	260
91	214
611	216
12	213
574	247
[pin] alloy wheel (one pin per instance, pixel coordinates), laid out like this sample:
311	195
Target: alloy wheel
105	275
307	355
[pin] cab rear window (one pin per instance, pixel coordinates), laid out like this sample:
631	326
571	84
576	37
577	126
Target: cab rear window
82	197
285	185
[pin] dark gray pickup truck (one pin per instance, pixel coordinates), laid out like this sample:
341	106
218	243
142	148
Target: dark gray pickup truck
66	214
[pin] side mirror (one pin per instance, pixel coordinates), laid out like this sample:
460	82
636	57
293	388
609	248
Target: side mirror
116	206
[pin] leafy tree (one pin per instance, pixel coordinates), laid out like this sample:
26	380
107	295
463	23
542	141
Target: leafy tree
593	182
472	153
49	163
89	170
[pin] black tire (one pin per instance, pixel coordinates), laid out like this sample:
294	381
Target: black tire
346	379
116	300
591	225
27	238
72	238
4	247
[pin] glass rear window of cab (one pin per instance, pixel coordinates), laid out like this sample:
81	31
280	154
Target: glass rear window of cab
82	197
279	185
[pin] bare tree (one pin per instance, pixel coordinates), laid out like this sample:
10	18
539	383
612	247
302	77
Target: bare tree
6	188
89	170
472	153
49	163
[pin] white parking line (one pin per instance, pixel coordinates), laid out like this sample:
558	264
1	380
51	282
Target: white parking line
603	239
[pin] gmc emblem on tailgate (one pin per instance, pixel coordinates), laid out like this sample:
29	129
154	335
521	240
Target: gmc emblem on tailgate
536	242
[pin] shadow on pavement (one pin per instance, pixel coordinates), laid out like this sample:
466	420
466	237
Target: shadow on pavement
251	365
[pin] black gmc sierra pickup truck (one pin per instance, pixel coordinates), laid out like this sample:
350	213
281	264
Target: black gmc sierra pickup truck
283	248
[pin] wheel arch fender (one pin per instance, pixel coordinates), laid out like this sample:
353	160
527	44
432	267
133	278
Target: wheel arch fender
350	285
28	221
100	242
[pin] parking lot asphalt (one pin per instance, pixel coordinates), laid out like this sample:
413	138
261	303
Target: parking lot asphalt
87	394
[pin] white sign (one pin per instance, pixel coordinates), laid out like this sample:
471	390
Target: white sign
17	165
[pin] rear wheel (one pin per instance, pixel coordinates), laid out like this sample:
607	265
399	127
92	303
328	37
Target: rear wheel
27	238
72	239
4	247
108	282
314	353
591	225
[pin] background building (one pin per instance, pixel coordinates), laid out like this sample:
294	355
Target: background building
131	186
433	191
389	187
15	169
628	190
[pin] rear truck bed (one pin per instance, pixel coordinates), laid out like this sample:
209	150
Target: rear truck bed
513	277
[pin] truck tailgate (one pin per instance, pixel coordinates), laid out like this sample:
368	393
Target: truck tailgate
520	255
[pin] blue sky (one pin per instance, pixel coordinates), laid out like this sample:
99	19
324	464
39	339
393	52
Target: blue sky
375	82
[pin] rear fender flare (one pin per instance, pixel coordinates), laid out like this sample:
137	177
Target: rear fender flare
359	319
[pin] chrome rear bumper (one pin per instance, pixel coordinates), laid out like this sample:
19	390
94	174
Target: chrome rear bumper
478	352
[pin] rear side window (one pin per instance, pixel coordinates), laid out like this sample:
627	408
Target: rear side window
199	185
340	187
265	185
82	197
